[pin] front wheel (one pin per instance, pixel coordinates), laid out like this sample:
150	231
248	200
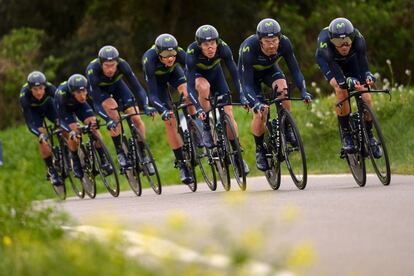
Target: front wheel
75	182
376	147
273	174
88	179
293	150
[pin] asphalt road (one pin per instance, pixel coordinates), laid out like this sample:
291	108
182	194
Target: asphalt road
351	230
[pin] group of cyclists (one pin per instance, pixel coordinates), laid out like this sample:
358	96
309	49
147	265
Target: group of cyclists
110	85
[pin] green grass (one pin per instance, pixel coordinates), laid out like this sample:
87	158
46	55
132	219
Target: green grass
317	123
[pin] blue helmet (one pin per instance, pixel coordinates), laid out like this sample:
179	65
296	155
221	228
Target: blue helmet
268	27
77	82
165	42
206	33
108	53
340	28
36	78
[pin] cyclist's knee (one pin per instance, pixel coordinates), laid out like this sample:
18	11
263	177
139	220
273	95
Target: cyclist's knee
202	86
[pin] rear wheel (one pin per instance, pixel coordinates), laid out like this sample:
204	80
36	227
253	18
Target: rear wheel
86	158
219	158
203	156
234	153
293	151
189	159
75	182
110	181
146	159
132	174
377	151
273	175
356	161
57	164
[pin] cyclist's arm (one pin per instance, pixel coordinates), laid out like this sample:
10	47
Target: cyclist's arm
151	80
330	67
190	62
28	117
137	88
362	56
246	75
293	66
231	65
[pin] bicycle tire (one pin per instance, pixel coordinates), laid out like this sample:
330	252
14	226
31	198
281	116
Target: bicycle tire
76	183
88	179
234	155
132	174
111	181
381	165
294	162
203	156
273	175
219	158
189	158
356	161
61	193
153	180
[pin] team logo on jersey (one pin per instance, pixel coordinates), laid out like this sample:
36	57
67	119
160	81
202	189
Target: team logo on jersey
246	49
323	45
190	51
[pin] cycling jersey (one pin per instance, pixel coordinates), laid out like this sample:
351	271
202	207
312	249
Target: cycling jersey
334	65
255	67
102	87
157	76
198	65
34	110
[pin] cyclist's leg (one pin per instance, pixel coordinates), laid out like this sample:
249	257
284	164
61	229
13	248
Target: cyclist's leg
179	82
203	89
275	79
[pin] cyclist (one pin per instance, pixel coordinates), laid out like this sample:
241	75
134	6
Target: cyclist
36	100
205	75
258	57
109	90
71	105
162	66
341	56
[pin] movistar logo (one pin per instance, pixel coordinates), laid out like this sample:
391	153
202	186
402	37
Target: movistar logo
167	39
108	49
90	71
246	49
205	29
145	60
340	25
269	24
323	45
78	79
190	51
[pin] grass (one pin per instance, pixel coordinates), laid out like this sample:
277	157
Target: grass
317	123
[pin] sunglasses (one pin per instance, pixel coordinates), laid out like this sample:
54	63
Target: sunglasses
168	53
341	41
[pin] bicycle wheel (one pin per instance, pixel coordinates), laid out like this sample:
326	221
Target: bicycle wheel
56	157
75	182
381	163
110	181
88	179
146	159
356	161
203	156
189	159
234	155
219	158
132	174
293	151
273	175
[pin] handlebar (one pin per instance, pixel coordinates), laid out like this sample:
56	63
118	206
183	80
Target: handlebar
357	93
